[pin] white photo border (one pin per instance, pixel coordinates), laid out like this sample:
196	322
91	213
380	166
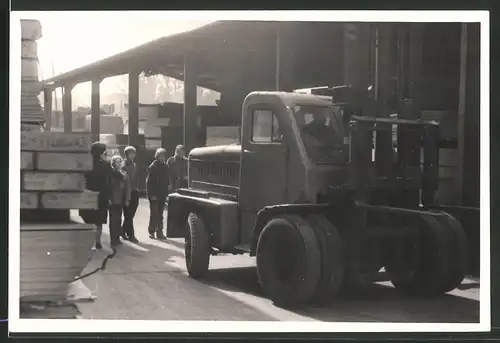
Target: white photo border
18	325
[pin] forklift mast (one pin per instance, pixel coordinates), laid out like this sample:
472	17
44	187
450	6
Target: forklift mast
409	155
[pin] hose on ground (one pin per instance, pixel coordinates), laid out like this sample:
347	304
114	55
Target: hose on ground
102	267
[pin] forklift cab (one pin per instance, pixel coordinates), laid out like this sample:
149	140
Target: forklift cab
387	153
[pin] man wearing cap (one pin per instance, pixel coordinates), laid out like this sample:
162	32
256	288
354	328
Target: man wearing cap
129	211
177	166
157	183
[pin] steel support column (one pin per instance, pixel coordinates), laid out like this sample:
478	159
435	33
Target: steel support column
190	104
469	141
284	58
383	152
133	108
47	107
356	70
95	116
402	62
356	60
278	57
415	68
461	112
67	108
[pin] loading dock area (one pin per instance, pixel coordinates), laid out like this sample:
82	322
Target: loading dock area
433	66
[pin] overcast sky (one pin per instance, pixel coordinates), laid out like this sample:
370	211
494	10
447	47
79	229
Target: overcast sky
74	39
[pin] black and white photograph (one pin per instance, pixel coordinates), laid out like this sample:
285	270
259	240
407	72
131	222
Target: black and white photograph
237	171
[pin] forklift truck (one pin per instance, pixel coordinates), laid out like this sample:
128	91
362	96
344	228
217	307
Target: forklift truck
321	205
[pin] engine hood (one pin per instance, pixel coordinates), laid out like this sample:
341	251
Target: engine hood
222	153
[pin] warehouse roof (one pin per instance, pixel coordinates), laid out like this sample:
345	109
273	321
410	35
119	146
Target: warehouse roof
211	45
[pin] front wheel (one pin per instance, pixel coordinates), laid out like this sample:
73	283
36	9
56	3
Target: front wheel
289	261
197	247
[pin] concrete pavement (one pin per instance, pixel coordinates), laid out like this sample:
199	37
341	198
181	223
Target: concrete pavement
149	281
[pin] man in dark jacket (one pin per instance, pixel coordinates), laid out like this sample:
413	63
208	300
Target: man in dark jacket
119	198
157	182
129	211
98	180
177	167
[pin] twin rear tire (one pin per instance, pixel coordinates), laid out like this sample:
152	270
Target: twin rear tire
458	254
300	261
441	261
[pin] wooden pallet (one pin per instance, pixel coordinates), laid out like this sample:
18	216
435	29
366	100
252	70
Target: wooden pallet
31	122
31	29
31	86
29	49
29	69
69	200
54	249
56	142
52	255
52	181
37	309
28	100
52	171
80	162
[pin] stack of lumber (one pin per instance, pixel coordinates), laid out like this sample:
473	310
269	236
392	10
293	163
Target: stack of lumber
49	310
54	249
31	110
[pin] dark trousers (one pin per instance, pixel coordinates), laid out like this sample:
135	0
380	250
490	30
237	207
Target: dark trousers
115	223
156	208
129	214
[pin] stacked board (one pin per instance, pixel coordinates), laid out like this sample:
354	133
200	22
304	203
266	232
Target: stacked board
52	255
53	165
31	110
54	249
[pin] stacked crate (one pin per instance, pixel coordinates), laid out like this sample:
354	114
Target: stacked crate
31	110
54	249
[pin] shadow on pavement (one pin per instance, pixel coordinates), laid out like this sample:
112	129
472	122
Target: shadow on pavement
171	242
129	259
370	303
139	285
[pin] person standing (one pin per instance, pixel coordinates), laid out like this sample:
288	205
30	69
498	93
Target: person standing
177	166
129	211
119	198
98	180
157	182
